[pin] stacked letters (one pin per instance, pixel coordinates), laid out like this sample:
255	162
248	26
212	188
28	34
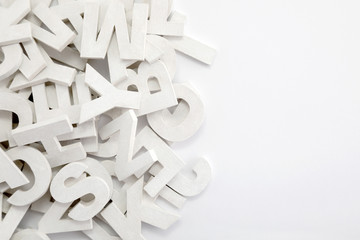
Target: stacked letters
84	150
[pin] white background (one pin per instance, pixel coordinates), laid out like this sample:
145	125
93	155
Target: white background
283	121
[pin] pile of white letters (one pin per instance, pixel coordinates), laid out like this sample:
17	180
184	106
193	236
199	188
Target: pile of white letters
71	147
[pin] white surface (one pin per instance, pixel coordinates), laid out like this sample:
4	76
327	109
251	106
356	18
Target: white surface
283	121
